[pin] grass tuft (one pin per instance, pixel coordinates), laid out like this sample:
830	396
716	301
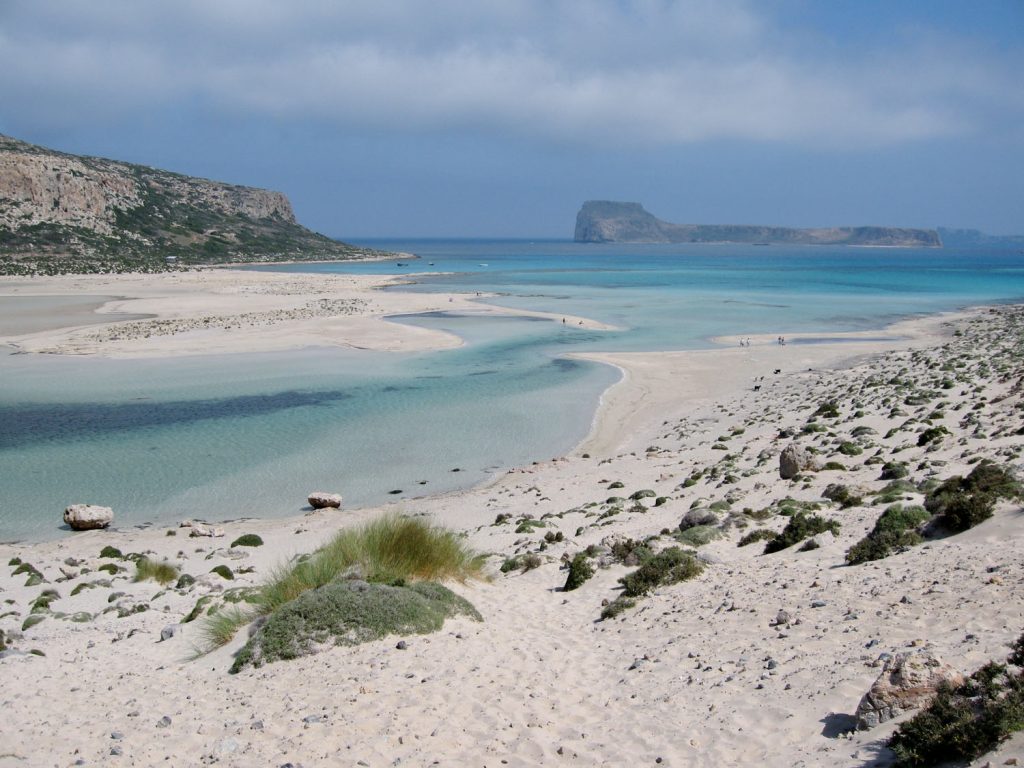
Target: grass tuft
162	572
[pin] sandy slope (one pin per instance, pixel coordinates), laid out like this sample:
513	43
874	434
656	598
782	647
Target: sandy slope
694	675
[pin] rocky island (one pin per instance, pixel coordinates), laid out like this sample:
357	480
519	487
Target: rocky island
63	213
606	221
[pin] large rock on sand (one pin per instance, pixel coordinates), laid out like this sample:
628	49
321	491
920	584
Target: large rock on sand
321	500
908	681
85	517
794	459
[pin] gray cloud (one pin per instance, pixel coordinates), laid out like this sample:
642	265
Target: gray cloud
600	72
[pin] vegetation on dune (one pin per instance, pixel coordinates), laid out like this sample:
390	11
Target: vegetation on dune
894	530
962	502
800	526
347	613
160	572
965	722
669	566
391	550
580	570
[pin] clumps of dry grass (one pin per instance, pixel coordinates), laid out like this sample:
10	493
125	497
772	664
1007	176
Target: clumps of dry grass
161	572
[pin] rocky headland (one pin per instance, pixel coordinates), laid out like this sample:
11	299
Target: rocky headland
606	221
63	213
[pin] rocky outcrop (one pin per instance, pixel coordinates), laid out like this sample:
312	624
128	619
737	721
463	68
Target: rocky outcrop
795	459
85	517
606	221
908	681
323	500
66	213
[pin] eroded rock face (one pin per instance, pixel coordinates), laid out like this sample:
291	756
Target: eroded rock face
85	517
322	500
795	459
908	681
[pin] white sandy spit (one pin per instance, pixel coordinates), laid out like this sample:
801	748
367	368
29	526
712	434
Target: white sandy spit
695	674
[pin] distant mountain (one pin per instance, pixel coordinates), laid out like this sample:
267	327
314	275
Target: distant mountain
605	221
972	238
62	213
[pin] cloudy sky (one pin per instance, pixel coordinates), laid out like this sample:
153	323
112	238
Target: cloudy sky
476	118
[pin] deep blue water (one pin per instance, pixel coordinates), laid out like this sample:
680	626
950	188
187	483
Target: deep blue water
230	436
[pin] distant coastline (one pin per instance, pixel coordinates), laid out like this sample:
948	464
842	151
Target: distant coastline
608	221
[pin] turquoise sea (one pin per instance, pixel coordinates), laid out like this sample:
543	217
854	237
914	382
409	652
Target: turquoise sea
250	435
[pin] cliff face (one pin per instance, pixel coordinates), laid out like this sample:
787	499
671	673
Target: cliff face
605	221
65	213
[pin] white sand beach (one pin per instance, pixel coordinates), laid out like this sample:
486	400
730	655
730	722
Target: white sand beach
698	673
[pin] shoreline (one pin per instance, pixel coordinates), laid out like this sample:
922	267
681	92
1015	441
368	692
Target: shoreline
697	673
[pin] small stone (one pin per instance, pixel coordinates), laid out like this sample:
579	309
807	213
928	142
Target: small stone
116	735
782	617
818	603
116	750
163	722
169	631
401	645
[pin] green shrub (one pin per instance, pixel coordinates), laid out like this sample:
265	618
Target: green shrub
580	570
349	613
828	410
112	552
162	572
616	606
630	552
963	502
800	526
931	435
698	535
963	723
391	549
966	510
893	530
761	534
646	493
224	572
247	540
841	495
833	466
850	449
669	566
525	562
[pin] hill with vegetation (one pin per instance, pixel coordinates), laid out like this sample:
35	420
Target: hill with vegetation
63	213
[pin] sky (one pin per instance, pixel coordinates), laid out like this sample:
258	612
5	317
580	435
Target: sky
498	118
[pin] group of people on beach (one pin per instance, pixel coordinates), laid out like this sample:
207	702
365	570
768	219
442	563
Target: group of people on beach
746	342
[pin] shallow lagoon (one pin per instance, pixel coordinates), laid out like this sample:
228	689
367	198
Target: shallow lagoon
216	438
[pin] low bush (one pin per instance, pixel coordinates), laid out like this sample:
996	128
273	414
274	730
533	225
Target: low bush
963	723
109	551
894	470
761	534
617	606
698	535
247	540
931	435
580	570
349	613
669	566
800	526
389	550
963	502
893	530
